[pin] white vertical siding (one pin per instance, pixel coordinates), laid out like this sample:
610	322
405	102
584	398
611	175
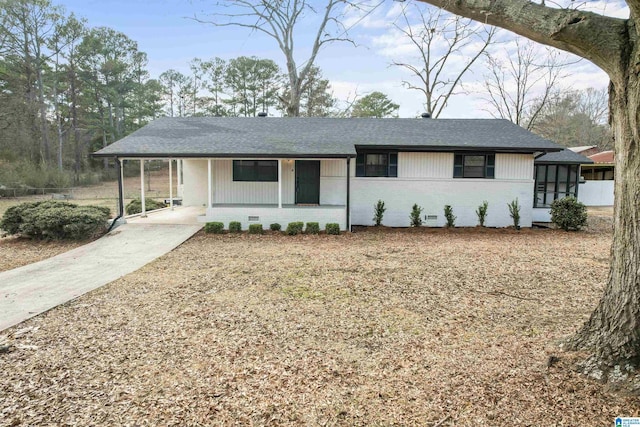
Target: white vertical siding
425	165
332	184
333	168
227	190
194	176
514	166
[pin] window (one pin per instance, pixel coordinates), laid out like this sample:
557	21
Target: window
554	182
377	164
255	170
474	166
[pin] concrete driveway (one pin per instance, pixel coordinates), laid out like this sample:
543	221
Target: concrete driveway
35	288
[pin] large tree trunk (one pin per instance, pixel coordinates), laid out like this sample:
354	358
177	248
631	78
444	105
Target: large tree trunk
612	333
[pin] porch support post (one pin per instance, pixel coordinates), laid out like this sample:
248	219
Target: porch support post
179	163
348	193
121	186
143	214
279	183
171	183
209	179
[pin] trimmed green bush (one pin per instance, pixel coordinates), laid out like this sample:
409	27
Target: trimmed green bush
415	217
214	227
448	214
514	212
55	220
135	206
569	214
255	229
275	227
481	212
332	228
294	228
378	212
312	228
235	227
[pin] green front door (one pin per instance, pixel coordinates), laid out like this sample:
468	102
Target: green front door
308	182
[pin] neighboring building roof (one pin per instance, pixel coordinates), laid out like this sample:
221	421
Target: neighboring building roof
564	156
582	148
603	157
319	137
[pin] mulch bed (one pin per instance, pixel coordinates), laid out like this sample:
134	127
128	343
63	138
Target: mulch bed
380	327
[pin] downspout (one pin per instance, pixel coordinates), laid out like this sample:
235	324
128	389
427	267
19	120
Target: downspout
348	225
120	196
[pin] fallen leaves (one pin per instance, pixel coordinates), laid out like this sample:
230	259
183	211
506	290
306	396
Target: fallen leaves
429	327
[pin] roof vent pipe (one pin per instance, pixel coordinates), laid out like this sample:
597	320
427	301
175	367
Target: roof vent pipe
426	115
262	114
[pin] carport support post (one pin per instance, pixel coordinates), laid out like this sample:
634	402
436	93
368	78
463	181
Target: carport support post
279	183
171	183
120	166
143	213
348	193
179	164
209	179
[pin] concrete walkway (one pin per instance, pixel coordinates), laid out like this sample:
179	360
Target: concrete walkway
35	288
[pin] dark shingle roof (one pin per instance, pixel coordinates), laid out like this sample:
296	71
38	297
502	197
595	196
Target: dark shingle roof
319	137
564	156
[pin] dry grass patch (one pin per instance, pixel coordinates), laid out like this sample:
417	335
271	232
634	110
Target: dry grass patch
375	328
16	252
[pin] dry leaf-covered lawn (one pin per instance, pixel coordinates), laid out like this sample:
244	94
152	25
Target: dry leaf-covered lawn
375	328
16	252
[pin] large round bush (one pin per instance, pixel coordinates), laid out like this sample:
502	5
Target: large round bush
568	214
55	220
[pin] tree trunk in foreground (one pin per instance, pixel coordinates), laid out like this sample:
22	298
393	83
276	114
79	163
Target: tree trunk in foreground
613	331
612	334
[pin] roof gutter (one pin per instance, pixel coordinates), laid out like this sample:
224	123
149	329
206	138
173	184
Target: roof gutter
222	155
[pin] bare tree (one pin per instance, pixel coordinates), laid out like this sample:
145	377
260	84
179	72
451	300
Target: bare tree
442	40
612	333
520	86
279	20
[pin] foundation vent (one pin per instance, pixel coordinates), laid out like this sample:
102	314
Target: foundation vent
254	218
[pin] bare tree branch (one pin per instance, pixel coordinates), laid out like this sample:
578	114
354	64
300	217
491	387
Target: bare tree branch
438	77
279	20
586	34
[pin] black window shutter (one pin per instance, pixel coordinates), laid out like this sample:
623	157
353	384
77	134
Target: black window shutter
393	165
458	166
360	165
490	170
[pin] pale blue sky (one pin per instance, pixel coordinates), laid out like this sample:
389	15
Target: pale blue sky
162	30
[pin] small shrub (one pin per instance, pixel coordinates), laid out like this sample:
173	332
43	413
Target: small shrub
55	220
255	229
312	228
235	227
416	216
294	228
332	228
275	227
214	227
481	212
135	206
514	212
569	214
378	212
448	214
